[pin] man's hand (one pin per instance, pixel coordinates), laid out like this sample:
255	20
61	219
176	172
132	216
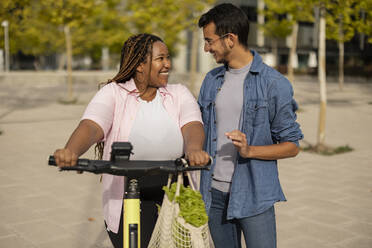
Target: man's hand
197	157
240	142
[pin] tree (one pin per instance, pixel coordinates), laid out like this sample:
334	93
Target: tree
6	21
323	6
106	27
299	11
282	18
165	18
48	27
67	15
25	28
320	146
340	21
276	24
15	12
364	18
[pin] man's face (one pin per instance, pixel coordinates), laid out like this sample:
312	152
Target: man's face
214	43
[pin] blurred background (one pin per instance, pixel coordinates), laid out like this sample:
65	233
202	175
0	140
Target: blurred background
55	53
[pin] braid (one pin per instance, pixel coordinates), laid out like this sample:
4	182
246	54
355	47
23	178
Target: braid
98	150
134	52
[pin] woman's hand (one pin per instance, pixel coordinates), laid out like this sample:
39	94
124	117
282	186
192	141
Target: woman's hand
193	136
86	134
197	157
65	157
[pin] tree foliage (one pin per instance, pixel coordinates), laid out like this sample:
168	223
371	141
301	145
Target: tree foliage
364	18
280	15
106	27
340	20
165	18
36	26
14	12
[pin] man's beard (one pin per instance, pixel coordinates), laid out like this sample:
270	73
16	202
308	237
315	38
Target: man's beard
223	58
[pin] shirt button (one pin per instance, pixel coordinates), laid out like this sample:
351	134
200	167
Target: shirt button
214	139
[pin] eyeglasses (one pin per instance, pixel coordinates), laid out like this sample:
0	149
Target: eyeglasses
211	42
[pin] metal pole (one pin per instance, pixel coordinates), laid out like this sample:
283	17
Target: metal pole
5	24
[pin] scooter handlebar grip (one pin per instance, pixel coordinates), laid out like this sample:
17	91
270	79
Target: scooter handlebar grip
52	161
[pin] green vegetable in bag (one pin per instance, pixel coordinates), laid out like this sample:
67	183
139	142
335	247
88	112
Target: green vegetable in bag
192	208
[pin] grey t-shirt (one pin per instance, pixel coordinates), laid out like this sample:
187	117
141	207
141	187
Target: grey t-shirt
229	102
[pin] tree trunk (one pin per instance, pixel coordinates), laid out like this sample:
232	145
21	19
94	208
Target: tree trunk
362	35
193	61
70	97
274	48
316	28
292	52
61	61
105	59
341	65
341	55
322	80
260	22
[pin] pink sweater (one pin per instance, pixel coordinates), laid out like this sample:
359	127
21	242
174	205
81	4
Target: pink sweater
114	109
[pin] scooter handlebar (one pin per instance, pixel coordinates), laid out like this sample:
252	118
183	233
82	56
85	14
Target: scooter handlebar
131	167
80	162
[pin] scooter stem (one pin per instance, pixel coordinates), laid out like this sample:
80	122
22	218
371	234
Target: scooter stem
131	208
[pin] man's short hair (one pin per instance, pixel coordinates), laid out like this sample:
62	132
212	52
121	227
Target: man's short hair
228	19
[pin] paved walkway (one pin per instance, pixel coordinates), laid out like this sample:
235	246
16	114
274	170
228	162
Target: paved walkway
329	197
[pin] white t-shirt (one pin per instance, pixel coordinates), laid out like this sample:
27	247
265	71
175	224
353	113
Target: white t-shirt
155	135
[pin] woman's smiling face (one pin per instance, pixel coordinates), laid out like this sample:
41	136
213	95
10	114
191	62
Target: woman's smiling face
158	70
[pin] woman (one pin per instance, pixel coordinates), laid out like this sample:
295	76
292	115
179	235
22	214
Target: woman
161	121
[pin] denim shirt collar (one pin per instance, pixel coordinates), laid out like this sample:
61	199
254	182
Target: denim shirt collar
256	67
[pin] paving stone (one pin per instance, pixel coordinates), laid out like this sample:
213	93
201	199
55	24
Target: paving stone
5	231
323	233
18	214
305	242
326	217
15	242
361	229
360	242
66	217
40	231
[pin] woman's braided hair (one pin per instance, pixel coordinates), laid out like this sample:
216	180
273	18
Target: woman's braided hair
134	52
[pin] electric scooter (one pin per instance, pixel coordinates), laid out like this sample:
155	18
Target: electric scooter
120	165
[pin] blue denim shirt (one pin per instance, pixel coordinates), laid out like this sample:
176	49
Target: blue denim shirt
268	117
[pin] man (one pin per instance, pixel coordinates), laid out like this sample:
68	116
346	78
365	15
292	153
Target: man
249	119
